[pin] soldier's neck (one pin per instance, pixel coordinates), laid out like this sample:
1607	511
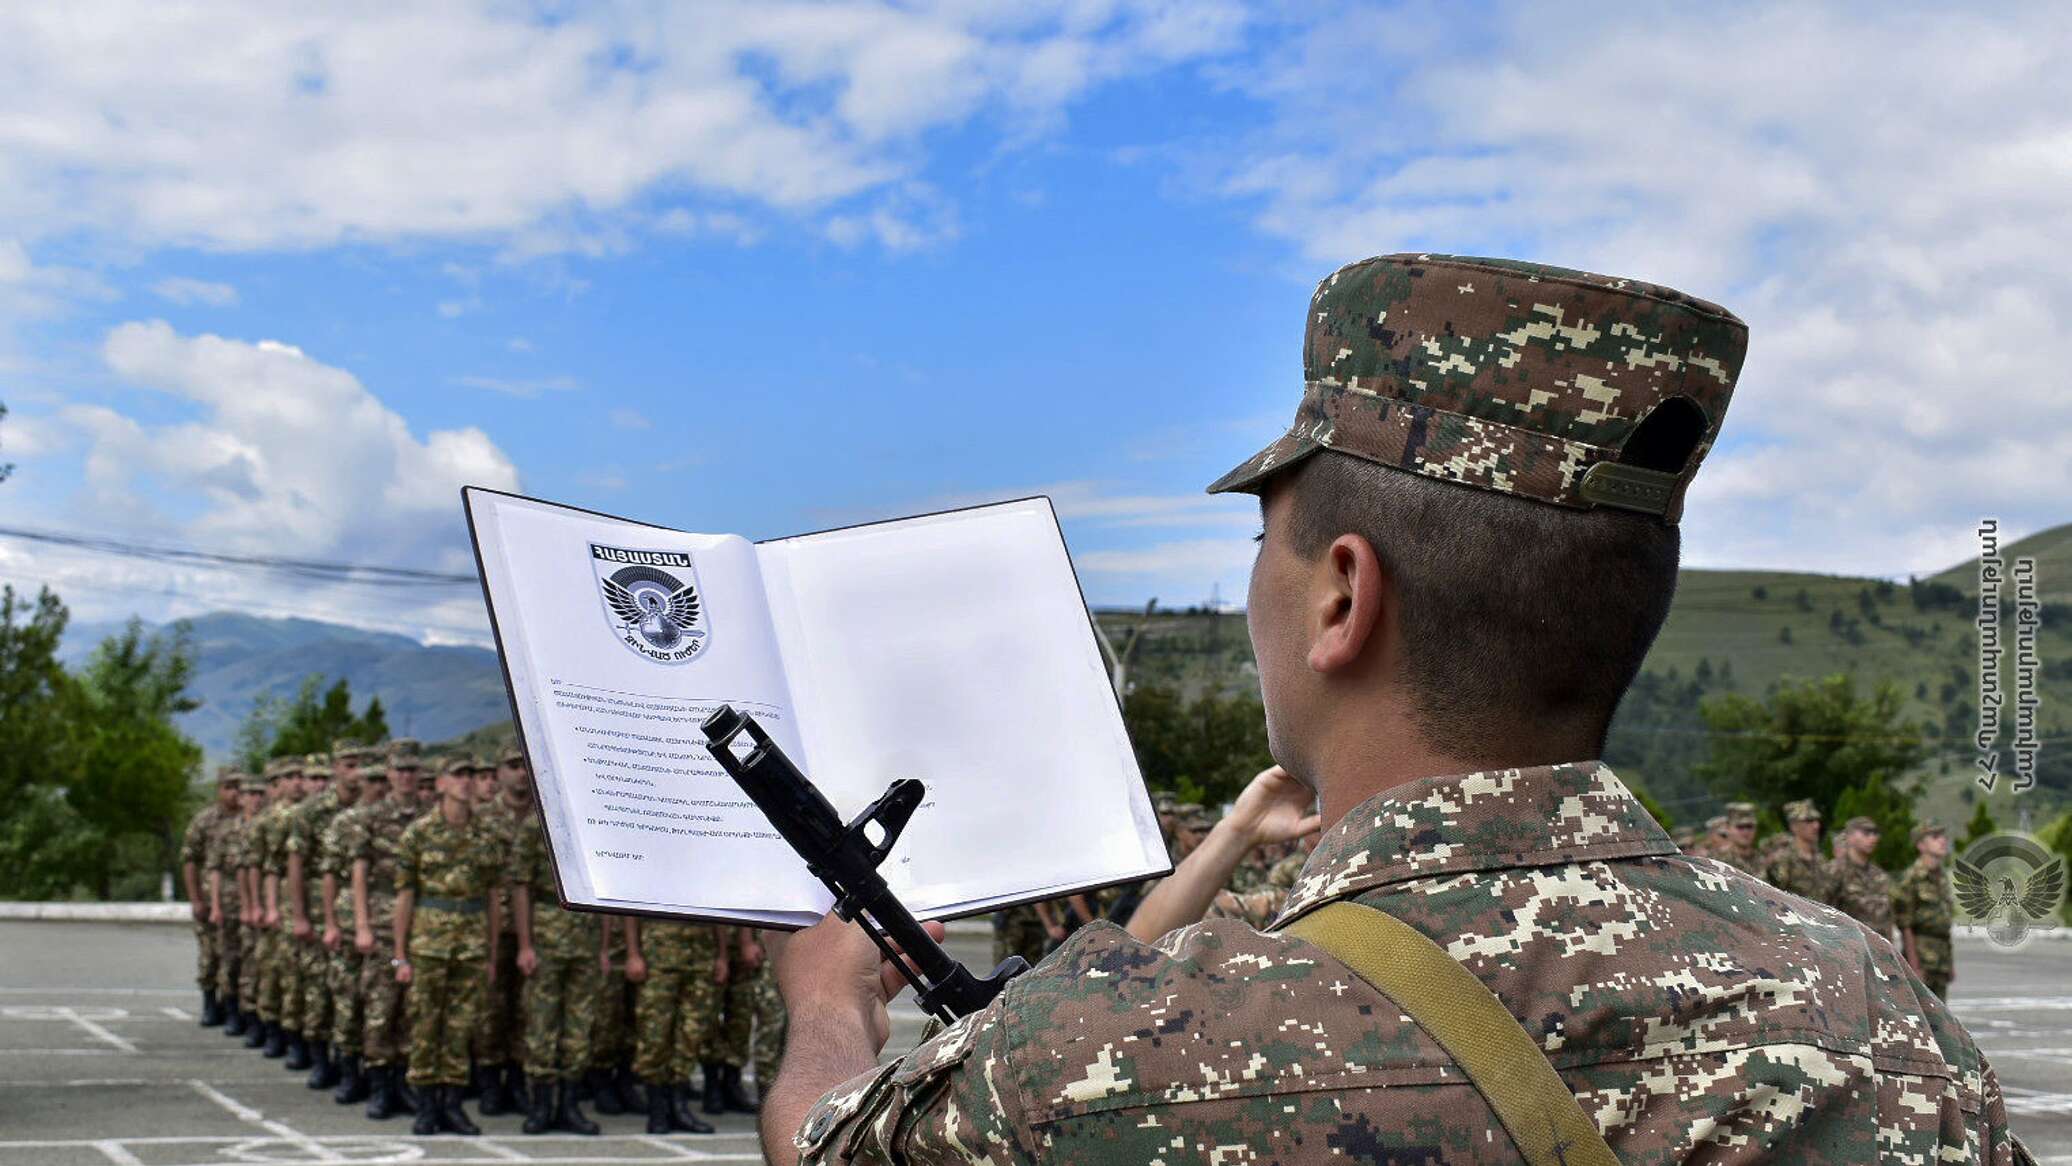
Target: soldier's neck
1929	860
456	811
1374	744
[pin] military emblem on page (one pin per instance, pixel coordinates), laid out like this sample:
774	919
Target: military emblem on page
652	602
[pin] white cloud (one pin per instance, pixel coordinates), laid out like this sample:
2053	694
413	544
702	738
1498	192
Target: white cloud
1204	559
30	289
527	388
257	126
179	289
1878	207
626	418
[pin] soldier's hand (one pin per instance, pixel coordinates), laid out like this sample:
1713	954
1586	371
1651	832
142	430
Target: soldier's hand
636	968
1057	932
216	916
833	971
751	955
720	971
303	930
528	961
363	941
200	910
273	919
332	938
403	972
1274	807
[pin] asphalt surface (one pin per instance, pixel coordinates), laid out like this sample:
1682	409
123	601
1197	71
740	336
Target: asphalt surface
101	1062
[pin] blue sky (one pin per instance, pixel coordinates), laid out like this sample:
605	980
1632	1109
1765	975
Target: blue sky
279	283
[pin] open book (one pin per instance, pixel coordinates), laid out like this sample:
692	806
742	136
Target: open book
954	648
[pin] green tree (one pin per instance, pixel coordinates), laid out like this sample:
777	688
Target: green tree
1809	739
36	727
1204	750
1981	824
136	767
309	722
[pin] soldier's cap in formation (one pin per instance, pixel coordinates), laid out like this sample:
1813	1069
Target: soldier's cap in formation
346	749
317	763
228	775
512	756
405	753
1164	803
375	771
1740	813
1802	810
1683	835
1203	818
1715	824
1861	822
1540	382
281	767
1924	829
459	763
1186	814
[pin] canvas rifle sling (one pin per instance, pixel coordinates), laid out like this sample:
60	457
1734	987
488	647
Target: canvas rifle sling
1544	1119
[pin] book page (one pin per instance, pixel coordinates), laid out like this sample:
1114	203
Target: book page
618	639
956	648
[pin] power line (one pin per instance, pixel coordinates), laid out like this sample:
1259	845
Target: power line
319	569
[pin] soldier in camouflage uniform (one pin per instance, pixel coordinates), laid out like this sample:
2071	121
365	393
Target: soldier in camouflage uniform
1469	544
609	1080
302	956
334	786
447	871
562	956
244	855
208	946
1793	860
678	969
1018	930
497	1044
346	964
1739	850
270	856
370	847
752	1031
1857	886
1924	910
226	904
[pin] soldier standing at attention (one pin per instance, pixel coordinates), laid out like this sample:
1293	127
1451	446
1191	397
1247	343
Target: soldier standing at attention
1858	886
562	955
446	914
343	973
495	1043
764	1050
372	847
208	948
261	850
226	907
1715	841
1739	851
610	1073
1924	909
1794	863
677	969
339	790
301	956
1469	542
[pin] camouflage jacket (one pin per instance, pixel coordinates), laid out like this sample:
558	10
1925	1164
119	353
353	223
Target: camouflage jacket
372	836
451	870
556	931
305	837
1804	875
497	823
668	944
194	844
1697	1013
1746	861
1923	903
1863	891
334	854
272	847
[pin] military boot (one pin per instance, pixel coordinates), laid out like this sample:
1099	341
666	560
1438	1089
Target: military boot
681	1113
715	1101
445	1100
489	1081
427	1122
630	1093
735	1097
604	1092
658	1105
298	1054
233	1018
324	1071
255	1032
539	1113
384	1099
352	1085
211	1008
568	1113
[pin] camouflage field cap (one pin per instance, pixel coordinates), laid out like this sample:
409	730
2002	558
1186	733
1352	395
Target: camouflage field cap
1740	813
317	762
1802	810
347	750
1562	386
1715	824
405	753
1860	822
1203	818
512	756
228	775
1164	803
279	768
374	771
459	763
1925	829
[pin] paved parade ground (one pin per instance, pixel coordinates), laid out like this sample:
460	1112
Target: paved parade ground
101	1062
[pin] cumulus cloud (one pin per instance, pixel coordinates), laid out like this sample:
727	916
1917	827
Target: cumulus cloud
1877	206
179	289
261	126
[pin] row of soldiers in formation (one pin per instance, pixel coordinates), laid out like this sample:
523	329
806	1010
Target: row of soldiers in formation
410	952
1918	911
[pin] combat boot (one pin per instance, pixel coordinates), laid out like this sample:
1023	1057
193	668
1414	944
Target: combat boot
211	1008
445	1101
489	1086
427	1122
658	1104
298	1054
604	1092
568	1113
255	1031
384	1101
715	1102
539	1113
681	1115
735	1097
233	1018
630	1094
324	1071
352	1085
276	1042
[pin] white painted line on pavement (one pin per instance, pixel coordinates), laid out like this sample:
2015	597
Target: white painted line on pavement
176	1013
95	1030
681	1153
282	1130
73	990
118	1154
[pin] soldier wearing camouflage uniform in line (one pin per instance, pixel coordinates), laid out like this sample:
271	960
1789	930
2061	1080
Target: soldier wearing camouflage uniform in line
343	973
1924	910
497	1044
270	856
1739	850
447	871
609	1077
751	1029
369	847
678	970
561	954
1468	547
1018	930
1857	886
194	875
339	782
241	850
1794	863
227	907
301	955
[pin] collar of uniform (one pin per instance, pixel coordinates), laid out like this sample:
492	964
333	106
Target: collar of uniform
1544	815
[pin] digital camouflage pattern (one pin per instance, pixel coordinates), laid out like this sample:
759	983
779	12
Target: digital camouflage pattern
1508	376
437	861
1018	931
673	1008
1698	1015
208	949
1803	873
313	963
611	1029
1862	891
342	967
561	996
499	1031
1924	905
372	838
752	1032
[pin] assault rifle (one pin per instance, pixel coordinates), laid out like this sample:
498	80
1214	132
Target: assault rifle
845	858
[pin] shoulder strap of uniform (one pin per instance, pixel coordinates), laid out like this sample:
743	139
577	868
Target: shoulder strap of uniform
1543	1118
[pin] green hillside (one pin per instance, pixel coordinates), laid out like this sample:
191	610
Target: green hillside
2052	550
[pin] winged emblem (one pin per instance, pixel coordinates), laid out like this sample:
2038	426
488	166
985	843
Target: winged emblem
2007	909
662	620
